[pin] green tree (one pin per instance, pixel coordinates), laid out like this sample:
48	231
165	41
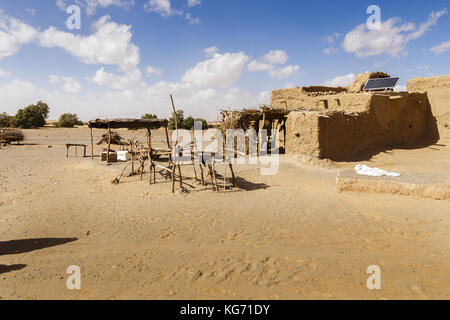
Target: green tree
68	120
149	116
189	123
31	116
180	118
43	107
5	120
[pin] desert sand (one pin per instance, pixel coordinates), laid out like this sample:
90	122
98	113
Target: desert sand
286	236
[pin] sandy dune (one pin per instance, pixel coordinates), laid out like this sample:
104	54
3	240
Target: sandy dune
287	236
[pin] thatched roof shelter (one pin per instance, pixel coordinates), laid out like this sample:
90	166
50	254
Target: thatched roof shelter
128	123
241	119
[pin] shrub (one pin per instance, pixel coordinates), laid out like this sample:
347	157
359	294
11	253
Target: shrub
149	116
5	120
69	120
187	123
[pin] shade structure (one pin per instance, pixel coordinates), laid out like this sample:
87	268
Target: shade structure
128	123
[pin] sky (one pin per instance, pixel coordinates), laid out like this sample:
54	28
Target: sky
128	56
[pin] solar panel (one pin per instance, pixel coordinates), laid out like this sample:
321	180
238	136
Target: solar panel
381	84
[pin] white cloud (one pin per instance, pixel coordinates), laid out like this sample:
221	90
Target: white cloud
31	11
391	39
110	44
204	102
276	57
264	97
70	85
92	5
340	81
442	48
330	50
221	71
4	73
132	79
13	34
269	63
192	20
256	65
162	7
193	3
423	68
332	38
152	71
211	51
54	79
284	72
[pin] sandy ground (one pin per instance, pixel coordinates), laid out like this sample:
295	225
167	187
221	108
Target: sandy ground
287	236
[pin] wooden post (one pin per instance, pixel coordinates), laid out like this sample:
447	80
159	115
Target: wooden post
212	176
232	174
173	178
150	160
176	118
109	145
201	173
181	177
92	145
132	157
176	144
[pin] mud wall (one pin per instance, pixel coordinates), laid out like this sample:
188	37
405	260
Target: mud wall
323	99
391	120
302	134
438	92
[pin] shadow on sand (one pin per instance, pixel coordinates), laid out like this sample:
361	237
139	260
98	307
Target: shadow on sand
15	267
28	245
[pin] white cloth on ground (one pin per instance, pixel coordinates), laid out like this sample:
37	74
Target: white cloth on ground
374	172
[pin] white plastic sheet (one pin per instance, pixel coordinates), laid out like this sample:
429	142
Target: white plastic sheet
374	172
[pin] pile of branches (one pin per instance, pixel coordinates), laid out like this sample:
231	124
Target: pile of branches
115	139
11	135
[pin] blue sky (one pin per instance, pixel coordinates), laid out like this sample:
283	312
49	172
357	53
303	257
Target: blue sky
129	55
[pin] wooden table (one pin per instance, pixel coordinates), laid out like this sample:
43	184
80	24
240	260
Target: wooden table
68	145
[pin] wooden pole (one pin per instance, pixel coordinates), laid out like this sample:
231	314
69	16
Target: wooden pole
212	176
109	144
176	118
232	174
181	177
132	157
173	178
150	160
92	145
201	174
176	144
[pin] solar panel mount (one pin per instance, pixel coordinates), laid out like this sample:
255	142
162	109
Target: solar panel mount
381	84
